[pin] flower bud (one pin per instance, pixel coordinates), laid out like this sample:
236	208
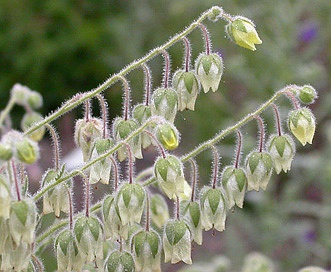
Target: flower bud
302	124
169	173
89	237
146	247
168	135
142	113
165	103
120	261
307	94
67	254
159	210
177	242
187	87
22	221
5	198
209	70
86	132
27	151
122	129
56	199
6	152
20	94
213	209
130	202
234	182
191	215
28	120
259	167
242	32
35	100
282	151
100	171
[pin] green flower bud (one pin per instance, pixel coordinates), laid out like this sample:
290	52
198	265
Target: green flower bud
68	256
307	94
6	152
122	129
177	242
142	113
56	199
5	197
213	209
86	132
159	210
257	262
191	215
282	150
35	100
89	237
209	70
168	136
28	120
146	247
112	222
259	167
234	182
22	221
169	173
302	124
130	202
242	32
20	94
27	151
187	87
165	103
120	261
100	171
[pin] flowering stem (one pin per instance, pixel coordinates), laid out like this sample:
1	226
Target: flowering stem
70	208
166	68
187	54
87	110
147	212
262	133
239	146
116	176
160	147
104	114
207	38
130	162
194	177
277	117
293	99
148	77
215	165
127	97
6	110
177	208
56	146
13	177
87	194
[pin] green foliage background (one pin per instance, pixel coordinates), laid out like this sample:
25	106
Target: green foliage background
62	47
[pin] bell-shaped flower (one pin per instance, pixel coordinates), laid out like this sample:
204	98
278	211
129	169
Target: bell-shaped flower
242	32
22	221
86	132
119	261
169	173
159	210
259	167
142	113
282	151
234	182
130	202
177	242
5	197
209	70
213	208
26	150
28	120
302	125
187	87
146	247
100	171
68	256
89	236
168	135
122	129
56	199
191	214
165	103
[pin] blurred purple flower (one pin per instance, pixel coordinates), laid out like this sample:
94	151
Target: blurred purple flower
308	32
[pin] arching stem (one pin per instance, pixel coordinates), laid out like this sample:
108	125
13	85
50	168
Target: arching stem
238	151
277	118
206	36
148	83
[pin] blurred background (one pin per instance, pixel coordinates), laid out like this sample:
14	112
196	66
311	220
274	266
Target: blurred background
59	48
